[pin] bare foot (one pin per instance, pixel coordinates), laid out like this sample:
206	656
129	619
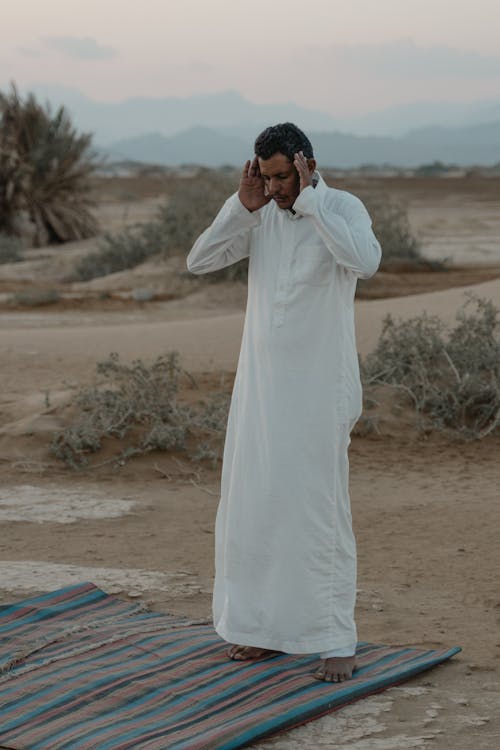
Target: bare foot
248	653
336	669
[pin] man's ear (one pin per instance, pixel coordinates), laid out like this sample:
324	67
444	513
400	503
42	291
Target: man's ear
311	163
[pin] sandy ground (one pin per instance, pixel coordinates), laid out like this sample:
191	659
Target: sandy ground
425	508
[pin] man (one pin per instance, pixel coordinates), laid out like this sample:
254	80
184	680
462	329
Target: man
285	551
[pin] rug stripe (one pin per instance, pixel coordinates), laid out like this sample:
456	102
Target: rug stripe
97	672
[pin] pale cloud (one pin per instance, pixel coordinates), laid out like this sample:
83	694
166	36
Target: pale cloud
404	58
81	47
30	52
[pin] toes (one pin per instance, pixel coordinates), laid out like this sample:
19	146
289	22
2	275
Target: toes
336	677
320	674
238	653
246	653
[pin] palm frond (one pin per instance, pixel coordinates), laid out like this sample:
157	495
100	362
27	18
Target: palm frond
45	170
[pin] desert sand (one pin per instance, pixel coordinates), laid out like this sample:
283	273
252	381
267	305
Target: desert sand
425	508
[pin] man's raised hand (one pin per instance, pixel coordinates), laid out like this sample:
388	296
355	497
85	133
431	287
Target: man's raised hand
305	168
252	191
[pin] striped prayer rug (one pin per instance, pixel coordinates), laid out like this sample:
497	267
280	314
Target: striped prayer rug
82	670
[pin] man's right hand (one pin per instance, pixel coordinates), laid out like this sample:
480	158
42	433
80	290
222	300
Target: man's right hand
252	192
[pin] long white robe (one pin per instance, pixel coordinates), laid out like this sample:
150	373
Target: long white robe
285	551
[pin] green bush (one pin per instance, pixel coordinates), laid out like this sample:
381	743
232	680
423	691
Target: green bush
452	376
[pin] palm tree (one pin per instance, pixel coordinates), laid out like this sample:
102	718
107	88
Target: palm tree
45	166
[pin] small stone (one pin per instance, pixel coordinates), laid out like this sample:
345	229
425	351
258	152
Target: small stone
478	721
134	594
143	295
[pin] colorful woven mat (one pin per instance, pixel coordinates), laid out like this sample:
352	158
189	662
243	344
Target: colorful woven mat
82	670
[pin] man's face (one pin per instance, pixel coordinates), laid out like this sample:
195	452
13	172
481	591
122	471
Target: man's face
281	179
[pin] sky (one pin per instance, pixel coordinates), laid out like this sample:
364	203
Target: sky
353	57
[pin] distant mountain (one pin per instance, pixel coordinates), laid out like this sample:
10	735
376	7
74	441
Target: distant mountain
400	119
478	144
231	113
194	146
112	121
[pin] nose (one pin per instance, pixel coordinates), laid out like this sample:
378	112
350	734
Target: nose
274	186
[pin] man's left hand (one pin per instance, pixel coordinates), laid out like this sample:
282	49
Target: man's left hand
302	166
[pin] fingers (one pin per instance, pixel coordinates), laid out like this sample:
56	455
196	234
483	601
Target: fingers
251	168
254	168
300	163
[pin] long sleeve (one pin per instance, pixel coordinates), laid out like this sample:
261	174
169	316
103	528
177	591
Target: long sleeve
226	240
344	224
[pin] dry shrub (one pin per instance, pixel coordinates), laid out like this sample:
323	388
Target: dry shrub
34	298
192	207
451	375
393	231
138	404
11	249
117	252
189	209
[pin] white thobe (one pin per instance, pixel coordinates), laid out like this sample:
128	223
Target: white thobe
285	554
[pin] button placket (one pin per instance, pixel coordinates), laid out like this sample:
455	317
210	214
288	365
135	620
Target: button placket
283	278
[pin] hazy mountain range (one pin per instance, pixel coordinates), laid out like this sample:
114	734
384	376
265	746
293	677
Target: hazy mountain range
478	144
217	129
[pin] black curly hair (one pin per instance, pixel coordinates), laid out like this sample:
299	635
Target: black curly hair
286	138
